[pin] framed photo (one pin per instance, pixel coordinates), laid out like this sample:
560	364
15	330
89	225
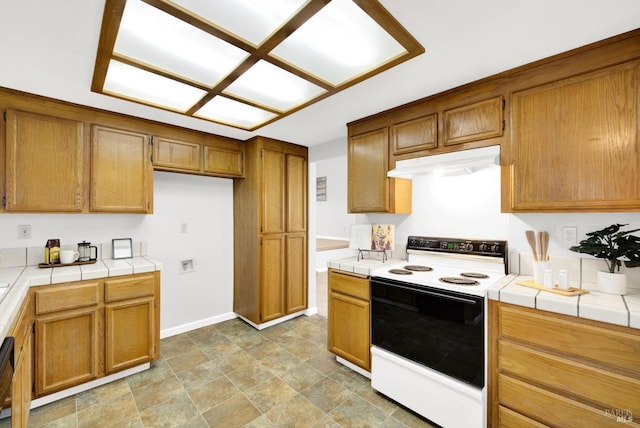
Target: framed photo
122	248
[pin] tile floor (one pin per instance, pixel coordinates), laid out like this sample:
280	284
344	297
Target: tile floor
231	375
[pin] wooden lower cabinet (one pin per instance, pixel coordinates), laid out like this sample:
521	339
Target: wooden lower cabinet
67	349
349	332
90	329
22	382
554	370
22	385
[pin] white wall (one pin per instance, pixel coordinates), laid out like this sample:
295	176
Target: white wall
205	204
330	161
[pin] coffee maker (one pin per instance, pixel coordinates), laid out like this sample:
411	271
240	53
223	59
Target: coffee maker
87	252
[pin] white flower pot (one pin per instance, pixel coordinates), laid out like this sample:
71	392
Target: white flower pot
612	283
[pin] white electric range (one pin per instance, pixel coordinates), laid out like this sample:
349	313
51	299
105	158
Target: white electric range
429	327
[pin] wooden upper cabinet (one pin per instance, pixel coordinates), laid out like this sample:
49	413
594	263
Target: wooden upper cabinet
415	134
121	171
296	193
477	121
368	187
224	161
575	144
273	191
176	154
44	163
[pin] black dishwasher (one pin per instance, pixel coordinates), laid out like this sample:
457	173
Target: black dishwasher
6	369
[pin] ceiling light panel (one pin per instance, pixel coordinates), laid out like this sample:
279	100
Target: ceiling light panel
153	37
243	63
225	110
338	43
271	86
140	85
250	20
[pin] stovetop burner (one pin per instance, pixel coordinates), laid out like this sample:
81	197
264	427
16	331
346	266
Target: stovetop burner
400	271
458	281
474	275
418	268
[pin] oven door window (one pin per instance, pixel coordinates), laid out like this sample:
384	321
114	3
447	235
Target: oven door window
441	330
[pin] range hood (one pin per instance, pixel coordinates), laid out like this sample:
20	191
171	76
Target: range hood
455	163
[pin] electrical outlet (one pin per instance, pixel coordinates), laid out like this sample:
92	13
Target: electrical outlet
569	235
184	227
24	231
186	266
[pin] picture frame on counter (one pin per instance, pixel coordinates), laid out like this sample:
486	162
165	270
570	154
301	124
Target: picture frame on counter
122	248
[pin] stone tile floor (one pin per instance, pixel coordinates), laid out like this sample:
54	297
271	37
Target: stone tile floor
232	375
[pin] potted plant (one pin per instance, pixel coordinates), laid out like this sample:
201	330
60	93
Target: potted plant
614	246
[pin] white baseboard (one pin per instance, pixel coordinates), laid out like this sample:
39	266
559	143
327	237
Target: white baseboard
197	324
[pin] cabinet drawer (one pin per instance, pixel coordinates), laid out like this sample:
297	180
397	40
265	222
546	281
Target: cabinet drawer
129	288
608	389
553	409
349	284
511	419
611	346
64	297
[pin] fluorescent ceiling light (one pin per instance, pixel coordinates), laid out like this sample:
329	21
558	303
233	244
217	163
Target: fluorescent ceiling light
225	110
133	83
274	87
152	37
341	41
250	20
243	63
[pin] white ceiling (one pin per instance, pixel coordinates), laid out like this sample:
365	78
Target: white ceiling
49	48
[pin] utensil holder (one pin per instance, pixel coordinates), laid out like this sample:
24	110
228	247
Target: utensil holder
538	271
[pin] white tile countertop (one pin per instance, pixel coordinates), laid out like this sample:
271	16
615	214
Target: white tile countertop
595	305
16	281
362	266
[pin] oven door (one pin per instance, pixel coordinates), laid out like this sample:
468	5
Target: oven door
440	329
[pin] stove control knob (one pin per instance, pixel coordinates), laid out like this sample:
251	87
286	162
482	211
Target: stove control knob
495	248
468	246
483	248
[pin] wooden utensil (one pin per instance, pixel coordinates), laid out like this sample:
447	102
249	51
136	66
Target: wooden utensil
544	246
531	238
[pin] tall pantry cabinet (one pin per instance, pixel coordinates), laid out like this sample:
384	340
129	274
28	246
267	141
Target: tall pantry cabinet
270	231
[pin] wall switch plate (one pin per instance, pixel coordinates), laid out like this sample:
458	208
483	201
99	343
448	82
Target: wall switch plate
186	266
24	231
569	235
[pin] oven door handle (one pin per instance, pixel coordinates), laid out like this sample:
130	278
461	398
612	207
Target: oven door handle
432	293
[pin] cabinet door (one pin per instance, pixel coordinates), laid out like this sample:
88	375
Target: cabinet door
177	154
223	161
296	169
368	161
21	385
296	267
473	122
348	329
67	349
121	171
44	162
415	134
575	144
272	277
273	192
130	332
